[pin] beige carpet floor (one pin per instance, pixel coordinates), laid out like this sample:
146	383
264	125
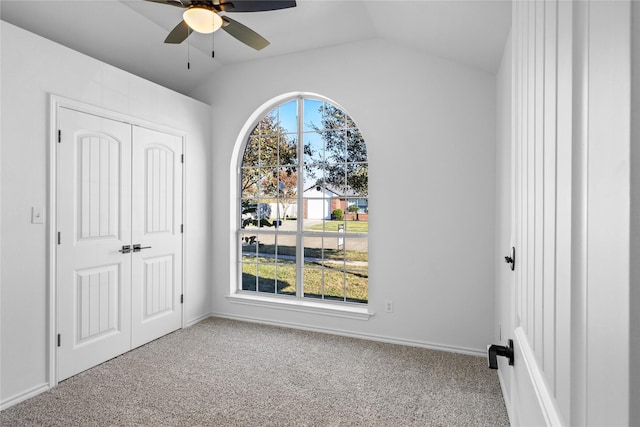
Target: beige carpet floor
228	373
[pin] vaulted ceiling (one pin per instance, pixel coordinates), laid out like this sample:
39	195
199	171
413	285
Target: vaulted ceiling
129	34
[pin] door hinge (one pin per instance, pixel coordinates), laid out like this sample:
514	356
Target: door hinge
59	340
59	136
182	228
181	158
182	299
58	237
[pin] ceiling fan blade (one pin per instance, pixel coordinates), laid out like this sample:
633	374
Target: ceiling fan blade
177	3
179	33
243	33
252	5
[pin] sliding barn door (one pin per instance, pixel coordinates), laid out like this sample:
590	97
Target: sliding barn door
119	252
543	165
157	229
94	223
571	144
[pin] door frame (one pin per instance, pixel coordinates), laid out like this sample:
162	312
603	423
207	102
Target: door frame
55	103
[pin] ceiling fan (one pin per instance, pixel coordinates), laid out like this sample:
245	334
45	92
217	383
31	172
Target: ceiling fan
203	16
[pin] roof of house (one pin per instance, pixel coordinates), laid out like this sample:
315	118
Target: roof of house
347	193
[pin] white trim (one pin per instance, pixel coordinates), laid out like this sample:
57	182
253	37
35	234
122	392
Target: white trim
183	275
21	397
61	101
364	336
55	103
197	320
52	221
545	400
301	305
506	397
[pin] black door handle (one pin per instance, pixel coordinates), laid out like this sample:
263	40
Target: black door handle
493	351
138	247
511	259
125	249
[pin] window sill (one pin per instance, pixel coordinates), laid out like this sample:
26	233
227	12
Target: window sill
327	309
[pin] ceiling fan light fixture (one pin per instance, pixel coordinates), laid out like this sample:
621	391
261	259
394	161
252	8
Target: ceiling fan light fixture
202	19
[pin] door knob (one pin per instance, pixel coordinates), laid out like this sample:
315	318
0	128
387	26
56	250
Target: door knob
511	259
138	247
494	350
125	249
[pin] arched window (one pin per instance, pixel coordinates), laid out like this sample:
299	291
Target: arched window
304	211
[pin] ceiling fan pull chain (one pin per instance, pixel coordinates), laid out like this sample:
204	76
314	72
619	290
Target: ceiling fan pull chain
188	55
213	45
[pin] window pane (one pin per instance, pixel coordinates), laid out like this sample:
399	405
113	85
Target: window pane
313	176
250	177
313	251
333	117
286	277
357	216
288	150
357	286
289	116
316	198
356	148
249	245
286	248
269	141
335	176
287	182
313	282
358	178
270	119
256	214
288	211
335	146
313	148
266	279
334	282
249	214
268	184
251	151
249	272
312	114
356	253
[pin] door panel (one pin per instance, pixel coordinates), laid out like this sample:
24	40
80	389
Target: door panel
94	194
542	145
117	185
157	206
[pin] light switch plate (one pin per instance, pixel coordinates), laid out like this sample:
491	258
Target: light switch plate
37	215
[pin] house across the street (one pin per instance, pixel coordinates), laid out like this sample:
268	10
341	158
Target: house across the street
320	202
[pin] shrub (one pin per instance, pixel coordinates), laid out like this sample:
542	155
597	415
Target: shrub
337	214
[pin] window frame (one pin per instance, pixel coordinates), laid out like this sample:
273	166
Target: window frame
336	307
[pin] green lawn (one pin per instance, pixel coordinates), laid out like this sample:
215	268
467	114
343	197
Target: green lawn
284	278
351	226
329	254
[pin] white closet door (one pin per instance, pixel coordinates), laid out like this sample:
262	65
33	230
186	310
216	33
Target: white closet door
94	222
156	228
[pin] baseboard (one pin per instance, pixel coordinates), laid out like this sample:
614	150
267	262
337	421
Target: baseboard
505	396
535	378
14	400
370	337
197	320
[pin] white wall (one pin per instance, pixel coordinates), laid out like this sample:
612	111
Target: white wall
503	326
429	125
33	67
